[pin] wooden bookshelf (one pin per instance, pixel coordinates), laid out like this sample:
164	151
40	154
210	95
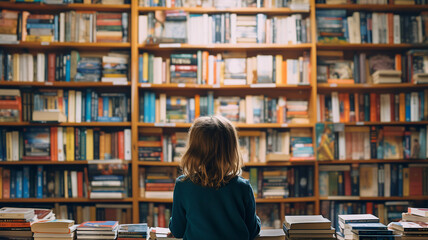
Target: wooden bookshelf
211	10
38	162
366	87
69	45
64	200
369	46
255	87
72	6
65	84
372	161
67	124
226	47
375	7
238	125
384	123
356	198
258	200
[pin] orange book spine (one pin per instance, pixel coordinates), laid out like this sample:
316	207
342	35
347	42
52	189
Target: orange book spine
398	62
121	144
284	72
347	107
102	145
357	107
205	56
197	105
373	107
100	107
390	17
402	107
54	144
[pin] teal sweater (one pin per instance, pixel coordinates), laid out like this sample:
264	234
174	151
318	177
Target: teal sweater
208	213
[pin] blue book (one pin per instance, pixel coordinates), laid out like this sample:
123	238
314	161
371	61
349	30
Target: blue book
56	29
40	25
109	119
152	107
140	69
105	107
146	107
66	103
363	27
372	232
18	184
210	103
379	237
26	182
88	105
12	183
369	30
400	180
421	106
407	101
345	29
108	178
422	142
367	226
67	67
39	190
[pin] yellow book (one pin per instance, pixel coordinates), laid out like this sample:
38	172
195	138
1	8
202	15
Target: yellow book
110	107
9	146
145	67
278	68
70	144
89	144
107	146
71	106
102	145
65	183
47	38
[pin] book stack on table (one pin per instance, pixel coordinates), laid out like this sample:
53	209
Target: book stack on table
133	231
57	229
97	230
363	227
308	227
414	224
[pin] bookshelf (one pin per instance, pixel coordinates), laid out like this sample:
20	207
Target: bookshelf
136	89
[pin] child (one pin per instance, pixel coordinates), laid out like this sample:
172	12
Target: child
210	200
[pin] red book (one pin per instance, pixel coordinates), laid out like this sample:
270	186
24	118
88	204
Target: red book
51	67
121	145
342	107
373	107
161	216
86	178
369	207
357	107
54	144
80	184
100	107
415	181
109	16
347	183
392	107
6	183
347	107
390	19
108	22
377	107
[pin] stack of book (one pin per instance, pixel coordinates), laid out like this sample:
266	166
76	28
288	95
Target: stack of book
308	227
54	229
386	76
184	68
97	230
10	105
112	27
15	223
88	69
301	144
109	180
414	224
9	26
40	27
115	68
159	183
132	231
362	226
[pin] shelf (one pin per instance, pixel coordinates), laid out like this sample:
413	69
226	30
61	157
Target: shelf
63	7
357	198
366	87
63	84
411	161
226	46
67	46
38	162
374	7
258	200
255	164
380	123
238	125
246	10
369	46
187	86
62	200
153	163
82	124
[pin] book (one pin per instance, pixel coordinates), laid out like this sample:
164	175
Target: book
98	226
423	212
307	222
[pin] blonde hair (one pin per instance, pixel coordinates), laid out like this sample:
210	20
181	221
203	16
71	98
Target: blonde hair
212	157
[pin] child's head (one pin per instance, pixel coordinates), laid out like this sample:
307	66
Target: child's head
212	157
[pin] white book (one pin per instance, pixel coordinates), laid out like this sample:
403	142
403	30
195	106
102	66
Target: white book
375	28
22	68
71	105
30	67
78	106
385	106
15	146
335	107
142	28
414	109
342	145
387	184
62	27
162	107
420	30
205	29
286	142
351	29
357	27
210	29
127	143
291	79
249	109
262	147
233	28
61	157
40	67
397	29
211	70
157	70
73	175
159	194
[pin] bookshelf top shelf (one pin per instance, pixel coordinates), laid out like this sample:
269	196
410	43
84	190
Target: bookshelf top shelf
226	46
246	10
382	123
184	86
332	87
63	7
369	46
66	45
374	7
238	125
38	162
64	84
335	162
258	200
71	124
63	200
251	164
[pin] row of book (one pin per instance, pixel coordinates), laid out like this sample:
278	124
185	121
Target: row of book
222	4
157	182
64	27
45	182
373	107
372	180
269	213
64	144
59	105
64	67
154	145
281	182
223	69
57	2
413	224
397	2
335	26
97	212
177	26
336	142
251	109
